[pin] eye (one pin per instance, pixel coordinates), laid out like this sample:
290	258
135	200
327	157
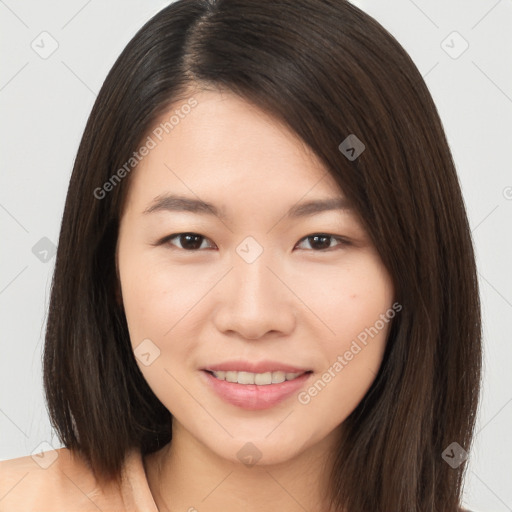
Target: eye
322	241
188	241
191	242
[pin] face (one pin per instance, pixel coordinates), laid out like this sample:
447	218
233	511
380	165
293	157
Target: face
291	304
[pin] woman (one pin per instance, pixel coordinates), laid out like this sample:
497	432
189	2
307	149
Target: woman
265	292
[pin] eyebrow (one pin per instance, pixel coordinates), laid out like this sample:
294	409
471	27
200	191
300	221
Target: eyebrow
176	203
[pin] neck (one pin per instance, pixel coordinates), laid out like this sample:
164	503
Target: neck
186	475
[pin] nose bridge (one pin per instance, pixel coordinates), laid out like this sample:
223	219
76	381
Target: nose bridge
256	284
257	300
252	261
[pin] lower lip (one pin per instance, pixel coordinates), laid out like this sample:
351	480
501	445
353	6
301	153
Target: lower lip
254	397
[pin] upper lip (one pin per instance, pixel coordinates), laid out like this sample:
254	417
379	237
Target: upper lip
255	367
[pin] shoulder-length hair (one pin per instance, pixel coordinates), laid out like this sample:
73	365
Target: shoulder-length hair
328	71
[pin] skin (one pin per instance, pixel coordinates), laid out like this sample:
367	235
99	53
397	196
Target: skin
297	303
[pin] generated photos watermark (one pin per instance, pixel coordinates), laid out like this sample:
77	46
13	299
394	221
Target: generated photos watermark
150	143
358	344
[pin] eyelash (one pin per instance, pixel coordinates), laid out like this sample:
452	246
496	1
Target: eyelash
342	241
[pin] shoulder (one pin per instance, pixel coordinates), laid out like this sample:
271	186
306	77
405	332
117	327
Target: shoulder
53	480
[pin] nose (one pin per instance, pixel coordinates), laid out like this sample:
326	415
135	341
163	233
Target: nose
256	300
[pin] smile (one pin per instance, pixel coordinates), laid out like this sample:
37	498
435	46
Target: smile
255	391
260	379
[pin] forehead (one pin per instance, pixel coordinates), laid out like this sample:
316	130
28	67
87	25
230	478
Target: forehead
225	147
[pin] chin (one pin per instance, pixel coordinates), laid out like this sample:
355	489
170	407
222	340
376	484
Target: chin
259	449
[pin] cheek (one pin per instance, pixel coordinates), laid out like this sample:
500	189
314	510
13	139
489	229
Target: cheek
156	296
164	303
357	306
346	299
157	303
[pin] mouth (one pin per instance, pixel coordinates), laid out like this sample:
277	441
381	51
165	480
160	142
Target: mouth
259	379
255	391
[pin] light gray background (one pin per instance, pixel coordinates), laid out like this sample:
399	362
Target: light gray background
45	104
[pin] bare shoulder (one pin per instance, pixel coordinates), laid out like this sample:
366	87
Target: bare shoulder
52	480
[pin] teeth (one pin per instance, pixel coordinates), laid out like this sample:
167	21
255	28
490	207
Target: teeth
261	379
278	377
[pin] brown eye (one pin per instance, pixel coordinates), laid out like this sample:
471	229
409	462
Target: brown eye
322	242
188	241
193	242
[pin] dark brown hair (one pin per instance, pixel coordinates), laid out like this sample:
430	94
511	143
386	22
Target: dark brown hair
326	70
